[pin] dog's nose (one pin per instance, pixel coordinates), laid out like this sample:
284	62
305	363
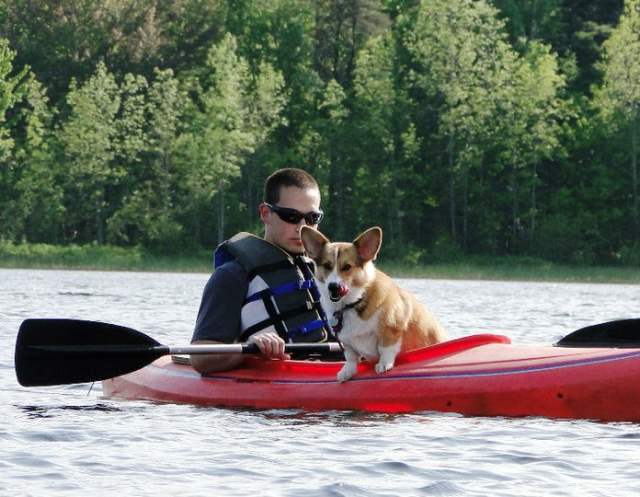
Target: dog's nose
337	290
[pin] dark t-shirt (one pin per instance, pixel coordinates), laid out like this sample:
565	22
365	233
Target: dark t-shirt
222	300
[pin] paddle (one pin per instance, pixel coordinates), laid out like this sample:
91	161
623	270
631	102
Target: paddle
623	333
61	351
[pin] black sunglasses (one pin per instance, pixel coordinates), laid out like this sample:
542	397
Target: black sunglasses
293	216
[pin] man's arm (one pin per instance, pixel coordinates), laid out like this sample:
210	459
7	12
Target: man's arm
219	317
219	321
269	343
211	363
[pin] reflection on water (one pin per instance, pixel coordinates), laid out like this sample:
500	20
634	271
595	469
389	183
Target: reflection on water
49	411
68	440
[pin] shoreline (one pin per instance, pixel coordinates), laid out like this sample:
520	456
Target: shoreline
506	268
551	273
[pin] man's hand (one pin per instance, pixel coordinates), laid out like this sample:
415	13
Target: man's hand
270	344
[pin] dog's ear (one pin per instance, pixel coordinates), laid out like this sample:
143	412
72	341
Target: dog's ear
368	244
313	241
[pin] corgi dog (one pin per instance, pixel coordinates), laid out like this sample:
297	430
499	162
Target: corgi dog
376	319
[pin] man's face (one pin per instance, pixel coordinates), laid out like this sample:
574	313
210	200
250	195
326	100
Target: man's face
283	234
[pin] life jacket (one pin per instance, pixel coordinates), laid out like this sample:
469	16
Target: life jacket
282	293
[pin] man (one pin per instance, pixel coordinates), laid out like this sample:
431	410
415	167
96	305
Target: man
263	290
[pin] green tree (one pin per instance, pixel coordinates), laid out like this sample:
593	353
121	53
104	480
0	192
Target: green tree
66	39
58	40
232	115
89	138
462	60
39	205
532	111
283	34
619	96
330	153
588	25
342	27
387	139
148	127
531	20
14	88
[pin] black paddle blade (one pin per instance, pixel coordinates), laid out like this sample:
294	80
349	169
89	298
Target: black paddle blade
624	333
61	351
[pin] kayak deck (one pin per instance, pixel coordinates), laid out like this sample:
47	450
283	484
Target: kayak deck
482	375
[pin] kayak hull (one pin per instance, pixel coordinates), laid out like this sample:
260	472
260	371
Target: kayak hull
480	375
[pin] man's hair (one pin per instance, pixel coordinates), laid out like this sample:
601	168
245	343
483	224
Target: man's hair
289	176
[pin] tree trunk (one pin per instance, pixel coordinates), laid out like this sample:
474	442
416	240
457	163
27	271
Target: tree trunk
634	177
534	201
465	210
336	189
514	207
251	205
395	216
452	193
390	235
99	222
221	207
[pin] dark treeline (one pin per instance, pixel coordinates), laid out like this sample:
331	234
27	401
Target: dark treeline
459	126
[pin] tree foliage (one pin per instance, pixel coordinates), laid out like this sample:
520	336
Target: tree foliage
619	96
475	126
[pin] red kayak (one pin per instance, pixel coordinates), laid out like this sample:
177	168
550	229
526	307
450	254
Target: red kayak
479	375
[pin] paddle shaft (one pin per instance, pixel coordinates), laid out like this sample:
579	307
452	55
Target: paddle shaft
160	350
252	348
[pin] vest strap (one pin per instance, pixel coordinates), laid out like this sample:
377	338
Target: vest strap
294	286
277	322
308	328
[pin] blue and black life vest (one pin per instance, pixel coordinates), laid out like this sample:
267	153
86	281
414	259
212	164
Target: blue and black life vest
282	293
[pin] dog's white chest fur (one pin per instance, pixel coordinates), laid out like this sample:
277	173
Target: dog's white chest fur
361	339
360	335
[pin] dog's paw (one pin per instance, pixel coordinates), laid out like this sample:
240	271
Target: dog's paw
382	367
346	373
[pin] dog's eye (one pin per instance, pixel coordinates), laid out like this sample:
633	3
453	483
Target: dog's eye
327	266
346	267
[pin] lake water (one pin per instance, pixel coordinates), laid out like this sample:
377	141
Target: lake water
69	441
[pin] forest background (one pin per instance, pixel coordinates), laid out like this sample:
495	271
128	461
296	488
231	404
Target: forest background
462	127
